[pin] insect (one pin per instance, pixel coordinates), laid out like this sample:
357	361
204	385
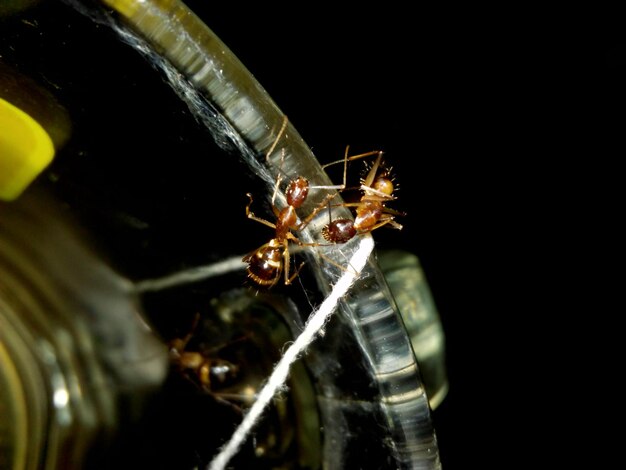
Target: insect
268	262
371	211
205	370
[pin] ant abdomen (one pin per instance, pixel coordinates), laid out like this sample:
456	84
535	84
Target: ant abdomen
339	231
297	192
265	264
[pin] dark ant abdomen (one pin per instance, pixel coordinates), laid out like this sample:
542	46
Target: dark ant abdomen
265	265
339	231
297	191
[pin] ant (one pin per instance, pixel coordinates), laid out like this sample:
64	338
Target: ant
266	263
371	211
208	372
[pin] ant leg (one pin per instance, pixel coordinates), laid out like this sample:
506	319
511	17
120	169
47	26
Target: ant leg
366	154
345	166
315	211
251	215
387	210
295	274
345	160
302	245
390	220
278	136
342	186
375	195
225	399
278	180
337	265
373	170
347	204
286	261
369	179
338	161
395	225
177	345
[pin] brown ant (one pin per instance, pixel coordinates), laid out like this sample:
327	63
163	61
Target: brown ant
210	373
371	211
265	264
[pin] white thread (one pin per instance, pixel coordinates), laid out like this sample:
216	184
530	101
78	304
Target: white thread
279	376
192	275
199	273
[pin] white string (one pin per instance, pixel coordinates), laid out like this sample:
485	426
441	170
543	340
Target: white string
279	376
198	273
192	275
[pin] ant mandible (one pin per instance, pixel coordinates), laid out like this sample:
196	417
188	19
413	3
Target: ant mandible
266	263
371	210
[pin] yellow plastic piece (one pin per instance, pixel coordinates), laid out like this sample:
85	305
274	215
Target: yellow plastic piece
25	150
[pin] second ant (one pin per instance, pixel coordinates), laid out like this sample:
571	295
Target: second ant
371	211
207	371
